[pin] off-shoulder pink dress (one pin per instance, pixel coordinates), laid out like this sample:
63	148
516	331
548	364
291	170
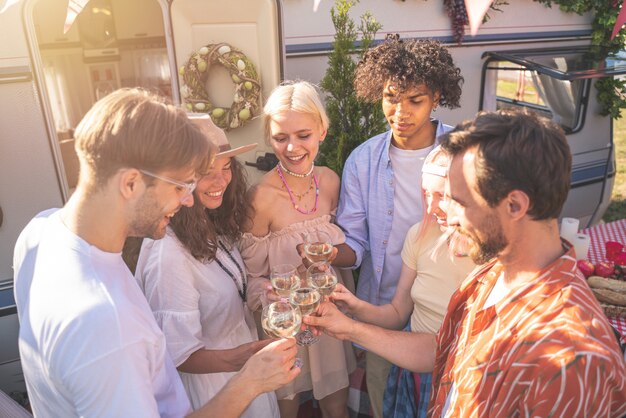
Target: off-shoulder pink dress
328	362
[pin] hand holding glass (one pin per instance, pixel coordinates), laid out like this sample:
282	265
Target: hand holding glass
282	320
318	246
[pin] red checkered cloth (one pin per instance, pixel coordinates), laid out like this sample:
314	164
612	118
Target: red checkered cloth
619	324
599	234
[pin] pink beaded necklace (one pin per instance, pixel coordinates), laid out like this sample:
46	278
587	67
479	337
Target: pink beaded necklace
293	202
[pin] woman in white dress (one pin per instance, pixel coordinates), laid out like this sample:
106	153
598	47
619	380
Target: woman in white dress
195	282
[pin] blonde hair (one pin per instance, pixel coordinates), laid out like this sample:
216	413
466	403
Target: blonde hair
299	96
134	128
437	163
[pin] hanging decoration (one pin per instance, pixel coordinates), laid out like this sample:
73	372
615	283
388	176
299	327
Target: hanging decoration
476	11
621	19
469	12
74	7
195	73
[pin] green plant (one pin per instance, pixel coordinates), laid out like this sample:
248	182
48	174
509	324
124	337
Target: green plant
352	121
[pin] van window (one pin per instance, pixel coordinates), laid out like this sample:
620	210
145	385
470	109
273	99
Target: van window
507	84
552	81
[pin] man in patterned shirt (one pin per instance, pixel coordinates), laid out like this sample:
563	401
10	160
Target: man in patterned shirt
523	335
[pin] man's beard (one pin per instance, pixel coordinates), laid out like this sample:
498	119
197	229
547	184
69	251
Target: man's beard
147	220
482	251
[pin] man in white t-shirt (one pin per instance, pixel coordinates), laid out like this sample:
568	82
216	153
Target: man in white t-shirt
88	341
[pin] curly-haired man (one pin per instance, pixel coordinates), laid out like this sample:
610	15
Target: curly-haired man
380	194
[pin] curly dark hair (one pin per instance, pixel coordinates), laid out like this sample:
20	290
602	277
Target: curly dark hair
198	228
406	64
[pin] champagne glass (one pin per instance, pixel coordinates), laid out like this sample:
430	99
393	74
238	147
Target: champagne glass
318	246
282	320
322	276
307	299
284	278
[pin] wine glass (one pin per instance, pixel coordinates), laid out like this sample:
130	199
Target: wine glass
318	246
307	299
322	276
284	278
282	320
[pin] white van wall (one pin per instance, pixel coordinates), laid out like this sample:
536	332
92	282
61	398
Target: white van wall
522	24
28	176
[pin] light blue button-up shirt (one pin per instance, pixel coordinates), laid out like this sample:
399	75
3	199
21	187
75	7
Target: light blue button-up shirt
365	213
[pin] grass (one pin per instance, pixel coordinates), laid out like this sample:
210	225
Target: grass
617	207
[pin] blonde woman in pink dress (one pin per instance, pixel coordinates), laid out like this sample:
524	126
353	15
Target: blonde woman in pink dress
290	201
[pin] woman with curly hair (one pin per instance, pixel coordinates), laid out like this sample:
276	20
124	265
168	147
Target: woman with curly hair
380	195
196	284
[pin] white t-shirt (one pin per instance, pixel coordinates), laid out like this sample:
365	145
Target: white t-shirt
408	207
89	344
197	305
500	291
438	275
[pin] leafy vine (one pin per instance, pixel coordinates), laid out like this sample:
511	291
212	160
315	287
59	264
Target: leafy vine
611	91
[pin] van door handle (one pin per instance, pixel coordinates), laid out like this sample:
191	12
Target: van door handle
1	216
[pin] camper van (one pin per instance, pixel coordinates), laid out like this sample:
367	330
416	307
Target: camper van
525	56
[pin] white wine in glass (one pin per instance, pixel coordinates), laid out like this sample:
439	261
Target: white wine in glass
281	326
282	320
284	278
322	276
307	299
318	246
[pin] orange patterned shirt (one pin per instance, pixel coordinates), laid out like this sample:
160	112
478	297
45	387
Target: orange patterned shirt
545	350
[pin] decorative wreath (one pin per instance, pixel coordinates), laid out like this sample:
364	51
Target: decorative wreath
196	71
